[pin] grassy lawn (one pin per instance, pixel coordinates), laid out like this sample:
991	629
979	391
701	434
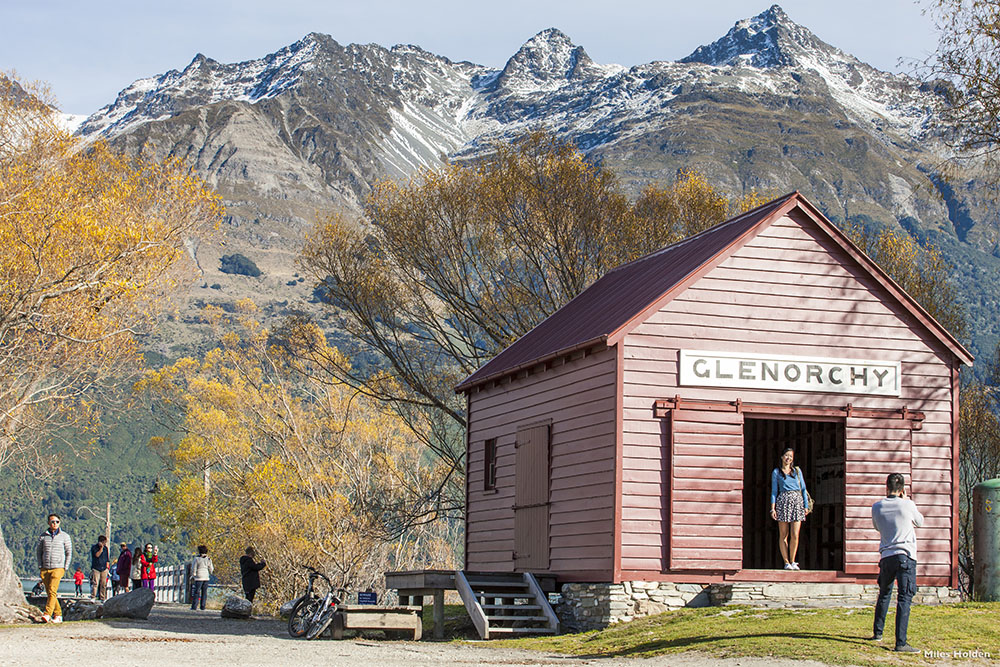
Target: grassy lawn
834	636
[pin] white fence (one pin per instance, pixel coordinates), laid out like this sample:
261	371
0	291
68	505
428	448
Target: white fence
172	584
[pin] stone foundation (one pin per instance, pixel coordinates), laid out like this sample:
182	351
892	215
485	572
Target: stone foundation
803	594
595	606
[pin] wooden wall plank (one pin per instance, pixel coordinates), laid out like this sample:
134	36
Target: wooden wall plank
784	292
577	399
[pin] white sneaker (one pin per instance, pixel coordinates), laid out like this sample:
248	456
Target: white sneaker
57	619
46	618
788	566
795	566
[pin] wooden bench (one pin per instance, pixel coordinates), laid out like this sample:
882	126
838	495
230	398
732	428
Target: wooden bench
372	617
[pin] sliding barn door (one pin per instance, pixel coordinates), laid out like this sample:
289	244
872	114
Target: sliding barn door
706	490
531	499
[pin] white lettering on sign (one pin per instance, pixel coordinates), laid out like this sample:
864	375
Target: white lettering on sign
765	371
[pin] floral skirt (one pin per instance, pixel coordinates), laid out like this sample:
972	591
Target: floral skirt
789	506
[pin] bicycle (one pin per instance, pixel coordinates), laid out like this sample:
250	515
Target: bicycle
312	614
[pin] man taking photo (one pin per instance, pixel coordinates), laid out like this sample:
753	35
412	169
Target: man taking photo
100	557
895	517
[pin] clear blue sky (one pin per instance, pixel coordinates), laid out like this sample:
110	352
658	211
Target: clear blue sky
88	51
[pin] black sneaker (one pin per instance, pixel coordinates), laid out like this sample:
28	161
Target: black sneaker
875	638
906	648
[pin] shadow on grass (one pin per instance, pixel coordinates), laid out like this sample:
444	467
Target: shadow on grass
693	643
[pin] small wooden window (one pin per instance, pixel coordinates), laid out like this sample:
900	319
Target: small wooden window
490	465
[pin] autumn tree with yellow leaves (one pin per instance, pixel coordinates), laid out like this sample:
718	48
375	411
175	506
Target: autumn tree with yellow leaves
306	470
922	272
447	270
90	243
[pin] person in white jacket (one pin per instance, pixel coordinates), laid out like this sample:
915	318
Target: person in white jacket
895	518
54	553
201	572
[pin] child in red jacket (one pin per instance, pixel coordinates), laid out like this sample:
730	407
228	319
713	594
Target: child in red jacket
78	580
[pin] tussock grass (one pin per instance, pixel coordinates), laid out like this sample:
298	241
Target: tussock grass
833	636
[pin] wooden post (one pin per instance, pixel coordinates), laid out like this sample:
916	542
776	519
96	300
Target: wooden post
439	614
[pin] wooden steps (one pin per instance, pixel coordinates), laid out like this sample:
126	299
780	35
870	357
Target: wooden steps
505	604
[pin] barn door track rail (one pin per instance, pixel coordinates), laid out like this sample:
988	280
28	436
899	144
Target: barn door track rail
663	407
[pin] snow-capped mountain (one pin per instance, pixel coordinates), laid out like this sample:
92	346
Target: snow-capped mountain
769	106
408	108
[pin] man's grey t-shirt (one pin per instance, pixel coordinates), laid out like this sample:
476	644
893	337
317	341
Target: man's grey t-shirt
895	518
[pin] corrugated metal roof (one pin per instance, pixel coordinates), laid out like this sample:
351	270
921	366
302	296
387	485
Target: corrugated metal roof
614	299
624	293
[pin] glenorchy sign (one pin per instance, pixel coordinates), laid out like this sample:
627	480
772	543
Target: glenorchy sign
760	371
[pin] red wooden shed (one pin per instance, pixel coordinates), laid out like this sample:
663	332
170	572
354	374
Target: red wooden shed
631	435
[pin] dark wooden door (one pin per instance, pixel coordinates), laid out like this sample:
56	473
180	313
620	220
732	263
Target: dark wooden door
819	454
531	499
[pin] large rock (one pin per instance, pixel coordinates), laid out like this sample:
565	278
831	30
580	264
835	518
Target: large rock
13	608
82	610
134	604
286	609
236	607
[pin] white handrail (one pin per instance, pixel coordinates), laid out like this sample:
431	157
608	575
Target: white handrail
472	606
543	601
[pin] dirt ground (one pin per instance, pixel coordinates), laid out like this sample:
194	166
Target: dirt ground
174	635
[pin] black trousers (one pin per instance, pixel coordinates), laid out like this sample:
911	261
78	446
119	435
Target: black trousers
900	569
199	592
248	593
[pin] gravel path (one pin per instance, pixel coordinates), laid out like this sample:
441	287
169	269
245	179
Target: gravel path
175	635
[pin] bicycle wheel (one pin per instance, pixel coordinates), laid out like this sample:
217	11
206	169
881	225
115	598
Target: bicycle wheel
298	620
321	624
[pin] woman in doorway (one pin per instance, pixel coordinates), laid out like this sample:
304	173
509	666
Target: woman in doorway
789	505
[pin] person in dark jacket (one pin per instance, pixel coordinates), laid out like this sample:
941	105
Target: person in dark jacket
124	567
250	573
100	560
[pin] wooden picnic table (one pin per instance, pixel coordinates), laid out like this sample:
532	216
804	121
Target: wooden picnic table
414	585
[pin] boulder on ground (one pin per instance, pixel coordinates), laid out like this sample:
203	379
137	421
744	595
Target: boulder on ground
286	609
236	607
82	610
134	604
12	605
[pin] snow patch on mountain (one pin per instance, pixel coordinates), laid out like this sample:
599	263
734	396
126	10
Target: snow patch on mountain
202	82
546	62
71	122
435	107
752	42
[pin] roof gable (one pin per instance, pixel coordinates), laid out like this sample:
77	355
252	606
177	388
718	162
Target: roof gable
624	297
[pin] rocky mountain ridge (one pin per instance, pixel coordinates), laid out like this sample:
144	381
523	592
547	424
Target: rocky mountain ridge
769	105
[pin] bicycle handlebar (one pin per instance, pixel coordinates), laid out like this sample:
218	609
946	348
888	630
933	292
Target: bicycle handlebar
316	573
